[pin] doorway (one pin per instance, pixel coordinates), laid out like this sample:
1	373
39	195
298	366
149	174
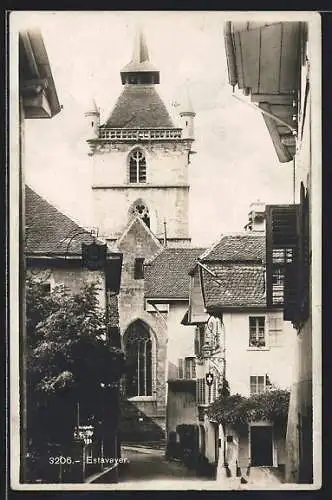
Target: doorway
261	443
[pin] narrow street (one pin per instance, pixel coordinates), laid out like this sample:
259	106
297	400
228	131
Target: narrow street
148	468
146	465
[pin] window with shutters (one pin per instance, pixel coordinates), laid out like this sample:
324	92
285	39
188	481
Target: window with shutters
288	258
257	331
190	368
187	368
281	248
137	166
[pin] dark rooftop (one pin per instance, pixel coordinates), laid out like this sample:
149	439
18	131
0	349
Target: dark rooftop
48	231
167	274
237	248
234	285
139	106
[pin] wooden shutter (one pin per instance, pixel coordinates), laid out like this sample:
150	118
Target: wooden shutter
282	229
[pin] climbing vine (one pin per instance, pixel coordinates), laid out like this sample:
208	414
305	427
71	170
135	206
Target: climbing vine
235	409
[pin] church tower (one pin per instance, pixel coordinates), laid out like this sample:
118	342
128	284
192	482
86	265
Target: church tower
140	158
140	198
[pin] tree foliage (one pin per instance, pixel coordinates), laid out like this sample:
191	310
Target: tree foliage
69	359
235	409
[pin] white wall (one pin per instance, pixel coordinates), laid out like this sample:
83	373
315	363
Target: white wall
180	338
243	361
166	191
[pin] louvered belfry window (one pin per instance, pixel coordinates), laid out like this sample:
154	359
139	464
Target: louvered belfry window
287	258
137	167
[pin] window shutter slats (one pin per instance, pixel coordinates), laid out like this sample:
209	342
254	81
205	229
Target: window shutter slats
288	257
281	250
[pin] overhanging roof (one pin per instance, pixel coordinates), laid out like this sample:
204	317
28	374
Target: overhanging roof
264	62
36	79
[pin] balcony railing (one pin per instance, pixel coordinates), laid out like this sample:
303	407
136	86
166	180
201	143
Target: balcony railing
125	134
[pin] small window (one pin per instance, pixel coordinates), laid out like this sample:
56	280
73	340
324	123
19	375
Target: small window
257	384
190	368
256	331
229	439
139	268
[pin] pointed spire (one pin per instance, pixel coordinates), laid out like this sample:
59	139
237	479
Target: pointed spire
141	52
140	70
186	104
92	108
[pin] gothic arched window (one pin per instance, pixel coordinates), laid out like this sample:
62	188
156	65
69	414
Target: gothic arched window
137	166
138	350
139	208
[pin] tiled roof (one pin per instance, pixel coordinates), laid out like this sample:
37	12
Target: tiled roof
237	248
139	106
48	231
167	274
234	285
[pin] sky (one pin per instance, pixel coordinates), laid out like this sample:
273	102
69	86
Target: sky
235	163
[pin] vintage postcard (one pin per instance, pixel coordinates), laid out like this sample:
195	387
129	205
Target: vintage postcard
165	229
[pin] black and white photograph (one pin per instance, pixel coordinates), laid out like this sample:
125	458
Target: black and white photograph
165	250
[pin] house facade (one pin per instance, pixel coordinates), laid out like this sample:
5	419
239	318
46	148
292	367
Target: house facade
140	162
285	94
241	340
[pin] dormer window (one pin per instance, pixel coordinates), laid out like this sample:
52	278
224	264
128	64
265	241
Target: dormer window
137	167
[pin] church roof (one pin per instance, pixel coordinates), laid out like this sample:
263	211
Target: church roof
48	231
166	275
139	106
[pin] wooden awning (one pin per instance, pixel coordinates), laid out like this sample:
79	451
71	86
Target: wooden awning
264	61
40	99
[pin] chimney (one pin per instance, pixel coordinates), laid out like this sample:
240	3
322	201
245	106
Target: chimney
256	217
